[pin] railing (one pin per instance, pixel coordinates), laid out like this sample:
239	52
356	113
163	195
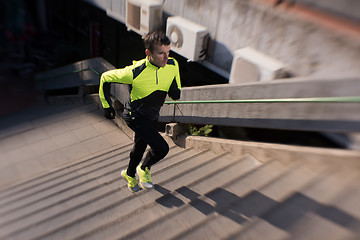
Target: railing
276	104
69	73
351	99
83	74
329	114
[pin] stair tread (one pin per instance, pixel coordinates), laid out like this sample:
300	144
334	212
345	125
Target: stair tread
76	212
197	194
310	212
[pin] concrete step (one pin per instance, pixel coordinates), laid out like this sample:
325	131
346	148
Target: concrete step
312	212
76	187
261	191
168	198
62	186
205	202
242	211
59	177
81	206
50	137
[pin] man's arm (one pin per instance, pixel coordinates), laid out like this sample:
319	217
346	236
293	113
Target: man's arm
124	75
174	90
175	87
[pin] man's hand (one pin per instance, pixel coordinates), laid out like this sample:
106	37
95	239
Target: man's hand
109	112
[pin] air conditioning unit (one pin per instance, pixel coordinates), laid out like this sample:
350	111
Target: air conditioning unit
187	38
143	16
250	65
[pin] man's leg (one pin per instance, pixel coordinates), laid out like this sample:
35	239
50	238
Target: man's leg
146	134
146	130
136	154
158	146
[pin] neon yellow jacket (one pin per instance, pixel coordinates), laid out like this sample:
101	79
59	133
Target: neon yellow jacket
149	86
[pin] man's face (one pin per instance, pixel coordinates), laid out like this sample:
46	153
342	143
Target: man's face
159	55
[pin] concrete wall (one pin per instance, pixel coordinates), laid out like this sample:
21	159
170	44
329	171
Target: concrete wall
308	49
309	43
321	116
338	117
346	8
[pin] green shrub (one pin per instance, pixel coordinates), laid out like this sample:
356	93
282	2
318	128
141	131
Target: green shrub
202	131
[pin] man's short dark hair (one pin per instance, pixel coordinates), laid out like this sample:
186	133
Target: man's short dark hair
153	38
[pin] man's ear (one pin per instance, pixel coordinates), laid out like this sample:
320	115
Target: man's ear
147	52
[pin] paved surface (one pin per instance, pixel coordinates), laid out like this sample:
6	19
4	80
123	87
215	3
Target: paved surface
60	179
42	138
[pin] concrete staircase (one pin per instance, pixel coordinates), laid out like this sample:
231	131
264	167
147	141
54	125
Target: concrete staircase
200	193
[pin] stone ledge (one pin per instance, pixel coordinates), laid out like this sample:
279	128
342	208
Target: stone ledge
264	152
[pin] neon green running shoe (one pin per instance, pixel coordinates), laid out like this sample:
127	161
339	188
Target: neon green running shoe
132	182
144	178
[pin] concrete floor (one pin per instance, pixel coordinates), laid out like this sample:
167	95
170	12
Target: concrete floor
60	179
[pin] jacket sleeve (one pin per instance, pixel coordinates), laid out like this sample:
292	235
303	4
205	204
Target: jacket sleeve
175	87
124	75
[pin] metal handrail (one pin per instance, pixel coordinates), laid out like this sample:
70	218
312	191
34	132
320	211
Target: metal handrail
69	73
347	99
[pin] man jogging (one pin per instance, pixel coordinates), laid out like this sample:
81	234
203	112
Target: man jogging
151	80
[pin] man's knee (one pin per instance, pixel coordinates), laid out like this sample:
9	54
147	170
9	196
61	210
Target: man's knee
163	151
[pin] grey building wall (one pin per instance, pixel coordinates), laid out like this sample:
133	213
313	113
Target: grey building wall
306	47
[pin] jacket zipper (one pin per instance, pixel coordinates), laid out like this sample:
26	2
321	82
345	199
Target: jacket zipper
157	80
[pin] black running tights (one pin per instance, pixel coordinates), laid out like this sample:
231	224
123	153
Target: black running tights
146	134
